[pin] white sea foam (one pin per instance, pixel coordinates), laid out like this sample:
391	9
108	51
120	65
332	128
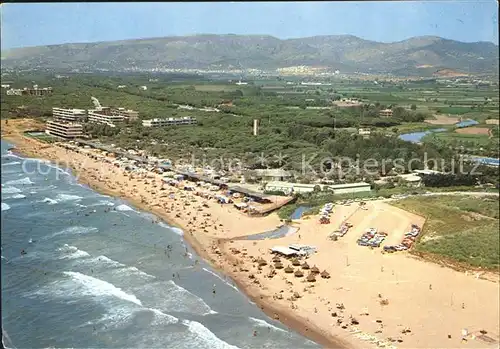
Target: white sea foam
95	287
169	295
124	208
67	197
108	261
11	154
262	323
73	230
18	196
208	339
49	201
221	279
77	285
134	271
10	190
11	163
102	203
72	252
5	207
23	181
162	319
174	229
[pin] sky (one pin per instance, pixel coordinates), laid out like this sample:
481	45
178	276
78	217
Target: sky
34	24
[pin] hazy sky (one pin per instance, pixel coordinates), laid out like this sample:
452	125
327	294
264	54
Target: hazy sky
53	23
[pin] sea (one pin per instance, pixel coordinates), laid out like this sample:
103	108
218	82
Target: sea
84	270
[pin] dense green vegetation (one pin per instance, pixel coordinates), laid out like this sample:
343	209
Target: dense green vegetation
460	229
288	123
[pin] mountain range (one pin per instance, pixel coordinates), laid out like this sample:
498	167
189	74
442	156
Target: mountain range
418	55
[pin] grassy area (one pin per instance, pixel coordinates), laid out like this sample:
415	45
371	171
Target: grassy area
460	229
454	110
463	137
43	137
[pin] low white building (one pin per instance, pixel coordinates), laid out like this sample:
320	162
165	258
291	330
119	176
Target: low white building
273	174
186	120
288	187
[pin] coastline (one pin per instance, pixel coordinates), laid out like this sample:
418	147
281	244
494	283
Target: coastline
357	281
201	244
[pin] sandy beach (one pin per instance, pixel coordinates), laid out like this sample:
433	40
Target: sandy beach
370	299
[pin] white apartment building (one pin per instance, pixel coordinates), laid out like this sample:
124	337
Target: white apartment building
71	115
129	114
64	129
105	116
186	120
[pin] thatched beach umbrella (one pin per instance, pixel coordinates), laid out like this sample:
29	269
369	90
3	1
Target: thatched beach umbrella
299	273
278	265
305	266
289	270
311	277
276	259
261	262
315	270
295	262
325	275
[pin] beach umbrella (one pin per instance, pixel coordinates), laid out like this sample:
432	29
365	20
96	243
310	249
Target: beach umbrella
315	270
325	275
276	259
289	270
295	262
261	262
305	266
299	273
311	277
278	265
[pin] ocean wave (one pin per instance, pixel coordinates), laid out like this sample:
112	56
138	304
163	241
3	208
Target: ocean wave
10	190
72	252
11	163
169	295
221	279
102	203
134	271
49	201
17	196
208	338
5	207
23	181
67	197
161	318
176	230
262	323
124	208
73	230
76	285
96	287
11	154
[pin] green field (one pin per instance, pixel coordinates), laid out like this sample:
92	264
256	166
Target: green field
480	140
460	229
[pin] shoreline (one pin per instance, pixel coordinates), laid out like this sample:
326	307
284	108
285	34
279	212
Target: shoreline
200	246
360	277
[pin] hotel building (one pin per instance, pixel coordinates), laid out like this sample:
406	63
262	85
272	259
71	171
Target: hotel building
64	129
71	115
110	116
186	120
386	113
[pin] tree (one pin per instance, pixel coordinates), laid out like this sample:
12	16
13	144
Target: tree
413	107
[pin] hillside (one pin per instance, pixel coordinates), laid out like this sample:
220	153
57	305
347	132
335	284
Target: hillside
344	52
